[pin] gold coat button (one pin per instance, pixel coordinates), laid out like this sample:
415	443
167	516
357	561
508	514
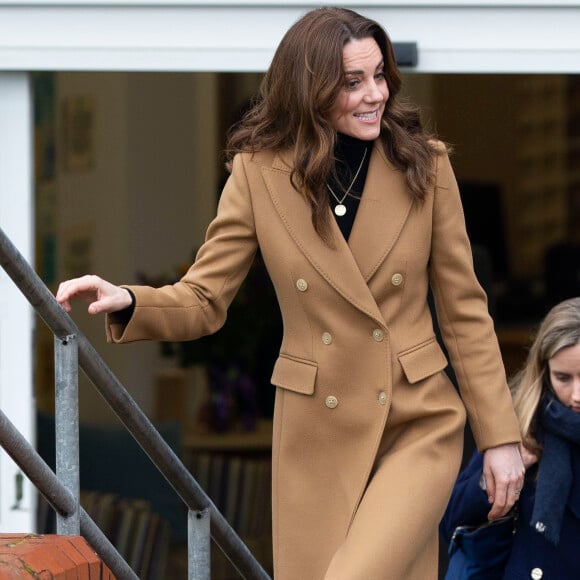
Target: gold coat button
397	279
383	398
326	338
331	402
302	284
378	335
537	573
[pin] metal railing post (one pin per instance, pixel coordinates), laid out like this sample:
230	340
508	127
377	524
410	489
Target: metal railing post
198	545
67	427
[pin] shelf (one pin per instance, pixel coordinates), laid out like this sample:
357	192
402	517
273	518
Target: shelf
231	441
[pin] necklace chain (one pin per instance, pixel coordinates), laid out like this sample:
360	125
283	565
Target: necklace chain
340	208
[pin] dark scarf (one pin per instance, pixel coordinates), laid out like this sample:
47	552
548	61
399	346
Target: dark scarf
558	473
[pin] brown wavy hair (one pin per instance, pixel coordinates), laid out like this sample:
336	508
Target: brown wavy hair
297	94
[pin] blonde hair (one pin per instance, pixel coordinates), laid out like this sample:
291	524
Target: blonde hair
559	329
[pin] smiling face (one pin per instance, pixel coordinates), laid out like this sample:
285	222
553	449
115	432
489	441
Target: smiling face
361	102
564	369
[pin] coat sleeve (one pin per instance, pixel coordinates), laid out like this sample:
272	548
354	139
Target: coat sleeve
197	305
466	326
468	504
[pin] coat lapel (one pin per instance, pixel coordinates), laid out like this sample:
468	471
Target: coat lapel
379	220
382	213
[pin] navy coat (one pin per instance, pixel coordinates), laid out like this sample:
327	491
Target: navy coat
532	556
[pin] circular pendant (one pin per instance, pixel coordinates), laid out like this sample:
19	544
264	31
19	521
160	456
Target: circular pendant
340	210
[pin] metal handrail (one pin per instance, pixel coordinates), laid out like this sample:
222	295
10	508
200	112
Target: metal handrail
121	402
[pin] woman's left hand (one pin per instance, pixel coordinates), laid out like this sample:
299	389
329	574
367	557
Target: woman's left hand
504	472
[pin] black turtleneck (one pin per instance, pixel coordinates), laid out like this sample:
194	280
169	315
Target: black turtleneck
349	153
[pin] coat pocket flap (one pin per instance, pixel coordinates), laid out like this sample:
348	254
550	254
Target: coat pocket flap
422	360
296	375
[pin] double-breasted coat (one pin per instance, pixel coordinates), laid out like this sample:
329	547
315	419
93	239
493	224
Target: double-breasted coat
367	427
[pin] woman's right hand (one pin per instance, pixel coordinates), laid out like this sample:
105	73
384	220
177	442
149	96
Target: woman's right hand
101	295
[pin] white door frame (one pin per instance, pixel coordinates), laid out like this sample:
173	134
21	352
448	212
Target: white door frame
17	501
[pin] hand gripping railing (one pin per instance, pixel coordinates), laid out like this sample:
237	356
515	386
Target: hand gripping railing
204	519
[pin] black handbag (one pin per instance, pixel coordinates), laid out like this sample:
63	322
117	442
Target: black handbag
481	552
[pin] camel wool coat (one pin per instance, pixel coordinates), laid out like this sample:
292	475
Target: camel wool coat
367	427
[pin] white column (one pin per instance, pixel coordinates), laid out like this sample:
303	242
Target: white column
17	498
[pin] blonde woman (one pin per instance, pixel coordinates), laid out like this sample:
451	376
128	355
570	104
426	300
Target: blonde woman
547	402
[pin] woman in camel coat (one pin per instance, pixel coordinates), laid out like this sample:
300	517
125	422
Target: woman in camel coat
367	427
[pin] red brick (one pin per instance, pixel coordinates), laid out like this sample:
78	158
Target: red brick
79	560
51	557
92	561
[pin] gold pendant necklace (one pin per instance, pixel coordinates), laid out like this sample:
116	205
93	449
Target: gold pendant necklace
340	208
